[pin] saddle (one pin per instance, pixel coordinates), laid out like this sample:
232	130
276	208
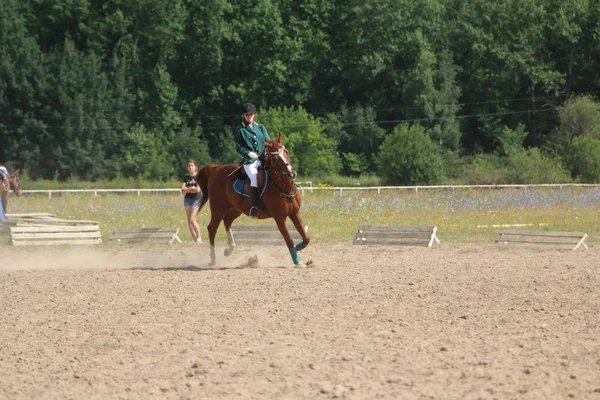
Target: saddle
242	184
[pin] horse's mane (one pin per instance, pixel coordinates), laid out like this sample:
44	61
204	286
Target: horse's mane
8	165
273	142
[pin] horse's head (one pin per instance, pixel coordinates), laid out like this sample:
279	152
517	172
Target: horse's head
14	181
278	159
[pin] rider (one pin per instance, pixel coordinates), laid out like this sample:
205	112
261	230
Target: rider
3	173
249	139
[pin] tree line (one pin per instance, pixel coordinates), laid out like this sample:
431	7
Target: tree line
415	92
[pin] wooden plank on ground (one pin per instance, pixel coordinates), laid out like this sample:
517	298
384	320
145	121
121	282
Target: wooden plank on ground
5	225
29	215
53	235
396	235
542	239
54	221
145	235
77	242
53	228
15	218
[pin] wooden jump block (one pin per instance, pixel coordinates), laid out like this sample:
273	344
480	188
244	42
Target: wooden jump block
542	239
145	235
27	216
396	235
263	235
55	235
5	225
14	219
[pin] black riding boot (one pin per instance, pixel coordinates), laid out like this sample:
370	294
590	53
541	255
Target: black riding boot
253	202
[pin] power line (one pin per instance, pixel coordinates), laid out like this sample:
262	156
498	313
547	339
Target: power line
377	122
415	120
399	109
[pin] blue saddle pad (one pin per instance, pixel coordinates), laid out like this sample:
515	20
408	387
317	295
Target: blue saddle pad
238	185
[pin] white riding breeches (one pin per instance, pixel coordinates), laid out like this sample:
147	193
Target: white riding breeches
251	171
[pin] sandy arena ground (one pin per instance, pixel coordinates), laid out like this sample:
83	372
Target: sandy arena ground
453	322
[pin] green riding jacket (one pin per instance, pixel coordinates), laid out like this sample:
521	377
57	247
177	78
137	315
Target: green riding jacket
247	140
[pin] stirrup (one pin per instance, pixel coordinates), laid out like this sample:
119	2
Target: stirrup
253	212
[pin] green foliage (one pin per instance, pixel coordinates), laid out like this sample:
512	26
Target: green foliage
453	164
511	140
409	157
505	65
484	169
534	167
583	159
144	156
161	103
359	138
521	166
312	152
78	77
579	116
433	84
188	145
355	164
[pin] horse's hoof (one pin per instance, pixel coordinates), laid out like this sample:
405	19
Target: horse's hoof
227	252
252	262
212	264
309	264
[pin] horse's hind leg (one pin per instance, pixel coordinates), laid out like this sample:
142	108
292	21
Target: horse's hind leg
227	221
212	227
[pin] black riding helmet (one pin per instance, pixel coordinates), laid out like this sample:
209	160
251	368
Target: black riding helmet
248	108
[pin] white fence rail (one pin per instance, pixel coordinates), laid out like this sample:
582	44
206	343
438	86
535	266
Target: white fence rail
416	189
308	186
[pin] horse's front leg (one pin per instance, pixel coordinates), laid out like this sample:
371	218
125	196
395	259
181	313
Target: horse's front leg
289	242
302	230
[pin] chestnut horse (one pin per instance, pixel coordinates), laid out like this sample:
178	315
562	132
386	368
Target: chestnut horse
11	182
279	198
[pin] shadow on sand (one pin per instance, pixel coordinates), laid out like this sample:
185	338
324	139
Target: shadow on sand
191	268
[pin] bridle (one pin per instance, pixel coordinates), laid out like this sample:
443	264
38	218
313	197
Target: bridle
283	178
13	184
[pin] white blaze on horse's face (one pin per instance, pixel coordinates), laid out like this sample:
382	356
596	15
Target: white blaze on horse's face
17	187
281	154
15	183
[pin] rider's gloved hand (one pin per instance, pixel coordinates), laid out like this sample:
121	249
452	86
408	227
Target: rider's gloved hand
253	155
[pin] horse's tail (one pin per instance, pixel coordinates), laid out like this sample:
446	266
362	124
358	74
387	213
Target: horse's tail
202	178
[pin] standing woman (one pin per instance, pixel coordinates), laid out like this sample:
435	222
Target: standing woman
191	200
